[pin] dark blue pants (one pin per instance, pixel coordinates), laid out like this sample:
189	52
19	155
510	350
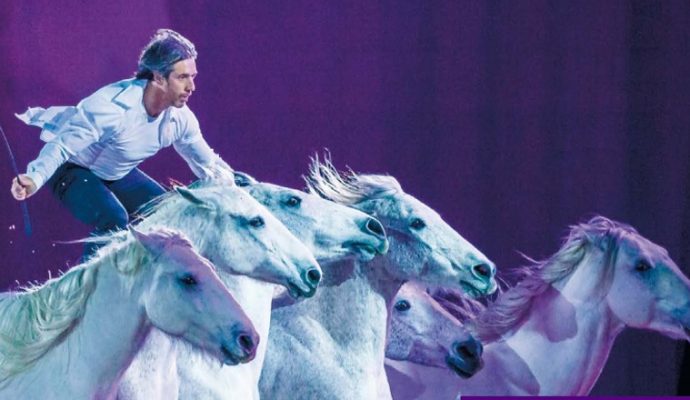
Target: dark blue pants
104	205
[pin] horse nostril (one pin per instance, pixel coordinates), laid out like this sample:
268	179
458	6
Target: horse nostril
375	227
469	349
483	270
246	342
314	276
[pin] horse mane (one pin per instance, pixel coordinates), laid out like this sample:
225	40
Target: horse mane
347	188
511	307
40	316
169	199
170	209
457	303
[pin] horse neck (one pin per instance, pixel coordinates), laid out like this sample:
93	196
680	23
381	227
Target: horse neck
373	273
567	335
201	377
343	330
382	281
101	346
355	311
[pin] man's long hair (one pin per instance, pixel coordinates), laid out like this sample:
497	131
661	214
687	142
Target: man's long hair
165	49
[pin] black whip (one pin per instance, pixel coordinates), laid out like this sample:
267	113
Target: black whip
22	204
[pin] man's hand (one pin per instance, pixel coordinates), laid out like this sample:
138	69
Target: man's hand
24	188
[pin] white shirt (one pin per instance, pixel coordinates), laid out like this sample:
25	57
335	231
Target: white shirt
110	133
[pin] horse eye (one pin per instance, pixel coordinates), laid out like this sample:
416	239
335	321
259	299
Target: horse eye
642	266
293	201
402	305
187	280
241	180
257	222
417	224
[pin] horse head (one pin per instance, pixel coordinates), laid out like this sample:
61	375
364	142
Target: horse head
331	231
424	333
647	289
186	299
422	245
239	235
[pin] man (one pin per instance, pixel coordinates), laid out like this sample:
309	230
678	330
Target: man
92	152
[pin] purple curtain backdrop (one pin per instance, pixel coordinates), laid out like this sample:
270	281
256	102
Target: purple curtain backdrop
512	119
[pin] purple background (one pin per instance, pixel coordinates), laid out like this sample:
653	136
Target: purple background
512	119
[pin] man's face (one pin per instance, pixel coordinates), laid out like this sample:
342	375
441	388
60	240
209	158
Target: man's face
180	83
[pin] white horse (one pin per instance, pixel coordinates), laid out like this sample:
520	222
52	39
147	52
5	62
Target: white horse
423	332
427	337
332	345
552	333
74	336
331	231
251	250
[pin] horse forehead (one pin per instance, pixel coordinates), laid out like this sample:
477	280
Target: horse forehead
636	245
406	296
185	257
639	247
416	295
311	203
404	206
425	312
277	192
410	290
329	208
267	190
426	304
225	196
242	203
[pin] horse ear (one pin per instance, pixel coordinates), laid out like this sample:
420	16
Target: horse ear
188	195
243	179
605	242
601	240
154	242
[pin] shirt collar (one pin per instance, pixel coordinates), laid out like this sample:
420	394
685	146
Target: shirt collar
131	95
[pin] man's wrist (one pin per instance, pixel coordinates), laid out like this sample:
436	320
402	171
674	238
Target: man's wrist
36	178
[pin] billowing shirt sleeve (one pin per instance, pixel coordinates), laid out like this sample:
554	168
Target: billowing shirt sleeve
200	157
93	117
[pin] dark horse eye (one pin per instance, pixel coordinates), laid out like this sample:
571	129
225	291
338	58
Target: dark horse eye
417	224
402	305
293	201
642	266
187	280
241	180
256	222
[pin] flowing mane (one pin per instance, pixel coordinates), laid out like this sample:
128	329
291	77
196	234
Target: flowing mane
37	318
510	308
348	188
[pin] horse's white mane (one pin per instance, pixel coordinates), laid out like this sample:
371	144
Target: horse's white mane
347	188
36	319
510	308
